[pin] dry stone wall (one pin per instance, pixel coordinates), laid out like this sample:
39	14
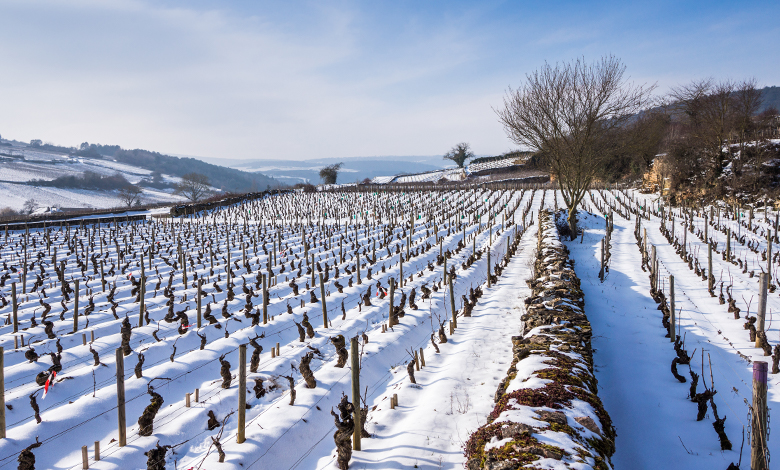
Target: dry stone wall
547	412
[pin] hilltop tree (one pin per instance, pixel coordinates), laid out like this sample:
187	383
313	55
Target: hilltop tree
330	173
459	154
575	115
36	143
193	186
130	194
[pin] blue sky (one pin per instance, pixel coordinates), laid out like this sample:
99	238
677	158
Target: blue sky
297	80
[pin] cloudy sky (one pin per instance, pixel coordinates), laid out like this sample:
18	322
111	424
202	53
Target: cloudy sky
297	80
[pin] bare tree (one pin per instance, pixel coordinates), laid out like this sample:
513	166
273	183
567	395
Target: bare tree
712	115
459	154
330	173
29	206
193	186
130	194
570	113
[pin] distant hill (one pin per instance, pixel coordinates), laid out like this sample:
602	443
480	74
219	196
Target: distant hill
222	177
770	97
354	169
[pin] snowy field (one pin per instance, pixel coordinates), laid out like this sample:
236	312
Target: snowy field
454	390
14	195
41	165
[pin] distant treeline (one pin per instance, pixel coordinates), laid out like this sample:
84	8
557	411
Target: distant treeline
87	180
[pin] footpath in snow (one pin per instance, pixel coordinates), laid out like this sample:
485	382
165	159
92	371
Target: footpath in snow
652	412
454	391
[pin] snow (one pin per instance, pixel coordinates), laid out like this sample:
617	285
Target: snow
277	434
655	420
633	357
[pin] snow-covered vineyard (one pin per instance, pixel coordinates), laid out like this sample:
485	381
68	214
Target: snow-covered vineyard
173	316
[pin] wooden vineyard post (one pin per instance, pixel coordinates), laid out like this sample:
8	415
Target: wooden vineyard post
120	396
265	296
654	269
142	292
15	307
76	307
444	277
488	267
452	304
671	308
728	244
601	270
2	393
183	269
711	278
84	457
227	268
356	393
762	288
200	291
759	415
401	268
102	274
390	308
97	451
769	257
322	300
313	277
241	393
358	268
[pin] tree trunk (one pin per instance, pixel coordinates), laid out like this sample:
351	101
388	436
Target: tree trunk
572	220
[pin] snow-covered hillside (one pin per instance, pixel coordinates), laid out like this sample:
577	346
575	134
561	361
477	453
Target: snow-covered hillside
19	166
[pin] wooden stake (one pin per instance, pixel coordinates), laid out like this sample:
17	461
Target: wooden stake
759	416
200	291
452	305
266	280
422	358
97	451
322	299
763	283
672	316
15	307
76	308
84	457
241	393
711	278
488	267
2	392
120	396
355	359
